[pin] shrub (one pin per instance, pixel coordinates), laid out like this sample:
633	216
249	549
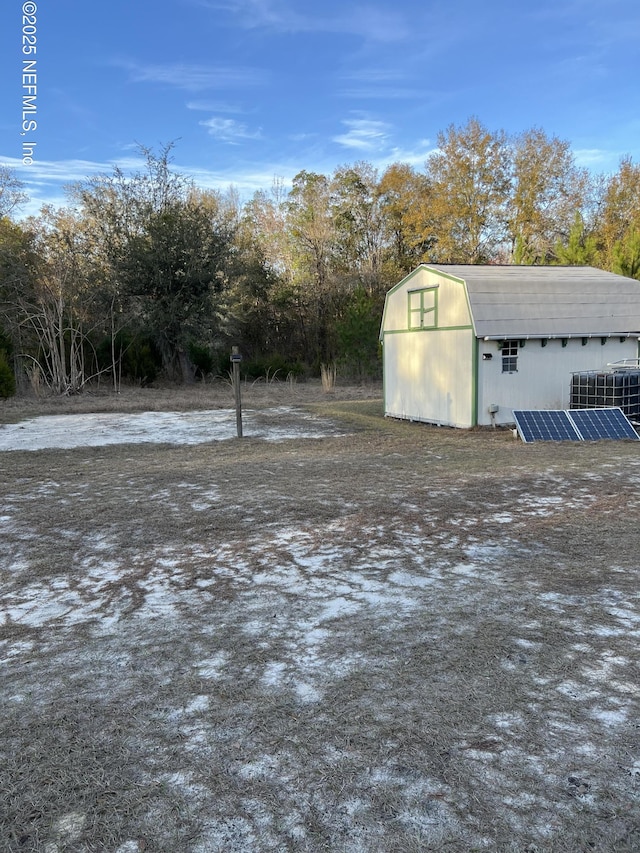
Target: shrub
139	358
7	378
357	334
203	360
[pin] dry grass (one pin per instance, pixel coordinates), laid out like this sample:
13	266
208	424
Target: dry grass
328	376
401	639
218	394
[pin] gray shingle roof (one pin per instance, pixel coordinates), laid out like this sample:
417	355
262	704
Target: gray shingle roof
548	301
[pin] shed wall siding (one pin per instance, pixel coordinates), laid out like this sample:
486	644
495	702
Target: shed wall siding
543	379
429	376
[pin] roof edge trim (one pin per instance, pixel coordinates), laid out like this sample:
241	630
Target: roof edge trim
559	337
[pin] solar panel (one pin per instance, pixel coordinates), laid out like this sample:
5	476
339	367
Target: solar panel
594	424
545	425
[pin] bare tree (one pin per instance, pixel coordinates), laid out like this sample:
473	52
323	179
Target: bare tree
49	303
12	194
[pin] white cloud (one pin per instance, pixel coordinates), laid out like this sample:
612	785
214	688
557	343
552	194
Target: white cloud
229	130
378	93
379	82
68	171
375	74
591	156
416	157
213	107
302	137
246	182
195	78
364	134
365	21
377	25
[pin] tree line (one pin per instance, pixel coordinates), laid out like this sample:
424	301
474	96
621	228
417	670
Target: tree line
146	274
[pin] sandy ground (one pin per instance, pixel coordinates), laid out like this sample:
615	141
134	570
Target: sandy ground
386	637
184	428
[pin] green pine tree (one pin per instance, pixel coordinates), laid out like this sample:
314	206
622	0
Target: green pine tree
580	249
626	255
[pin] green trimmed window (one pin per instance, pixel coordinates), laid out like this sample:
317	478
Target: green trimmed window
423	308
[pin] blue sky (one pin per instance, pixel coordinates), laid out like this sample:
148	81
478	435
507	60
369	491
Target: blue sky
256	90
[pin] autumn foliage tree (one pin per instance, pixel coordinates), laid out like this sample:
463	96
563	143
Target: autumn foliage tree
547	191
405	200
469	185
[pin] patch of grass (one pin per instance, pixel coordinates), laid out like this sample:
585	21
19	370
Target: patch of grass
362	413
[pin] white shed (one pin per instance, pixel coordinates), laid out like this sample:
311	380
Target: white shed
468	344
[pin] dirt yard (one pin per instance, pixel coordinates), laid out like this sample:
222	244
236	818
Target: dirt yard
388	638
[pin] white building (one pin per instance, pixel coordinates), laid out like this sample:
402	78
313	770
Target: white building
466	344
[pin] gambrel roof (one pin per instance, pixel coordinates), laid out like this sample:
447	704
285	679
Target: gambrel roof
547	301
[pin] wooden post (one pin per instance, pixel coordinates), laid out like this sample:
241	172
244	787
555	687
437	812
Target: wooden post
236	358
